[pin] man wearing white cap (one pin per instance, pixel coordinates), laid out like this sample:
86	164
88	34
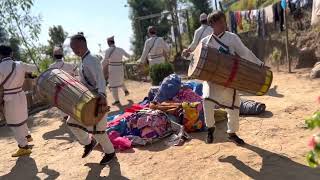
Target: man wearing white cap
155	49
59	62
203	31
114	65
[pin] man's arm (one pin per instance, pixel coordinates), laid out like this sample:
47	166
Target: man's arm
194	44
244	52
125	54
95	70
144	55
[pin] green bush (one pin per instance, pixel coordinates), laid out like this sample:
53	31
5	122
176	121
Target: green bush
160	71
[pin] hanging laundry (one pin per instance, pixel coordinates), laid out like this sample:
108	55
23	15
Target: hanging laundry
239	20
269	14
233	22
254	14
278	15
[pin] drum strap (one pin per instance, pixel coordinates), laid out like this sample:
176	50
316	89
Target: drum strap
85	129
17	125
112	51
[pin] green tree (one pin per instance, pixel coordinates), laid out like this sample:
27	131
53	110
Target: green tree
16	19
139	8
57	37
198	7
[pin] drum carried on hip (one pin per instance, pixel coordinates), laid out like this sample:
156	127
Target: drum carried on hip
229	71
69	95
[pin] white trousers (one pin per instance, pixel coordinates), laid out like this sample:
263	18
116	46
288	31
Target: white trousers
115	92
218	95
20	133
85	139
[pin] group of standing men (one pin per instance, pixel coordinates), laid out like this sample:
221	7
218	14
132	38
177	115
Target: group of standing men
213	32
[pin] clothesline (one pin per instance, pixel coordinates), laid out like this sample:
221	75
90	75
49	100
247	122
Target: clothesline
273	13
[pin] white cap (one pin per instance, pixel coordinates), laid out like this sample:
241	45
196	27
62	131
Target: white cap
57	50
111	38
203	17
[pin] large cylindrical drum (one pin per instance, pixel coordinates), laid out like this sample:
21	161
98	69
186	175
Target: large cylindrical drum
69	95
229	71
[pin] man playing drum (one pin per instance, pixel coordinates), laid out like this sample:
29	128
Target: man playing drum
60	64
227	43
113	62
155	49
91	76
203	31
12	76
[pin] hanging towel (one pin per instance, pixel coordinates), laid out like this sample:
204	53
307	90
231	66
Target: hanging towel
269	14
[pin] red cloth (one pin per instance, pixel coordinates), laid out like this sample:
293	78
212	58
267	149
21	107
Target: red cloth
121	143
239	19
129	111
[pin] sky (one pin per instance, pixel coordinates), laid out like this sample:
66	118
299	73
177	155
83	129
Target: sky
98	19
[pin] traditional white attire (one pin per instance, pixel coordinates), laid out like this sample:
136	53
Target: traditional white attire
67	67
228	43
113	59
15	101
92	77
154	51
202	32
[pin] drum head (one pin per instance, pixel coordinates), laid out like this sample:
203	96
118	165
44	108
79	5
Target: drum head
192	71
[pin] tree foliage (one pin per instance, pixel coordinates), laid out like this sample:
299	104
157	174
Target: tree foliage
16	19
57	37
198	7
139	8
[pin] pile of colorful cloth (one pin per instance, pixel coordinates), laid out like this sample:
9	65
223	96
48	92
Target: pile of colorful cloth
173	108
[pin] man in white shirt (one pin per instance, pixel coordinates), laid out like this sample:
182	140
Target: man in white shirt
12	76
203	31
113	61
91	76
155	49
226	43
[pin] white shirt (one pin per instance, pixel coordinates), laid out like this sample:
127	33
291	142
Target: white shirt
159	49
17	78
67	67
93	76
202	32
235	46
114	55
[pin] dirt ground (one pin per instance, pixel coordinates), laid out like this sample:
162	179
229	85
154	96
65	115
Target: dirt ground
277	144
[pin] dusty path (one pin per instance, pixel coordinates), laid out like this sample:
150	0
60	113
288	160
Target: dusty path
277	145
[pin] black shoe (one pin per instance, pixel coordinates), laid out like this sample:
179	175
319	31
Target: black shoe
107	158
210	136
88	148
116	103
126	93
234	138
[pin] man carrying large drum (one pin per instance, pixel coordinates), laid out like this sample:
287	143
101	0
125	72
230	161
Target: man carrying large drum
92	77
221	57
